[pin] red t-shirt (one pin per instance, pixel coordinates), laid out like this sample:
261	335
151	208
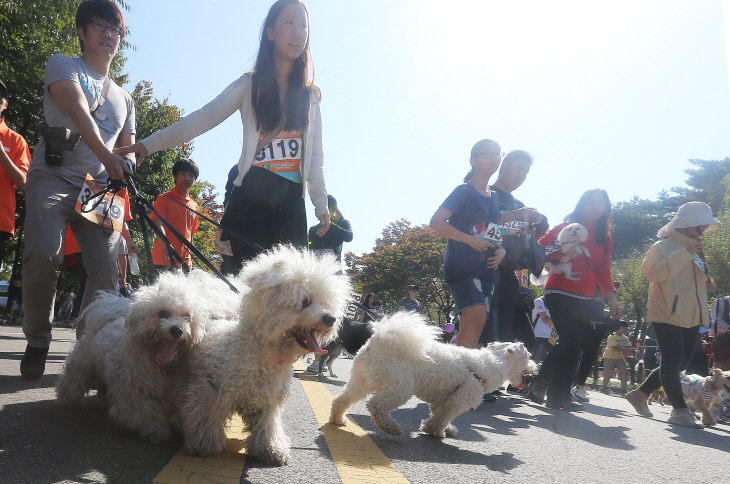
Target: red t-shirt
596	270
17	149
185	221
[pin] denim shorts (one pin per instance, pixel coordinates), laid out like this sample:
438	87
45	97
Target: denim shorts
471	292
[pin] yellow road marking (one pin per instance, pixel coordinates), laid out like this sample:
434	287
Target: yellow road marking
223	469
357	458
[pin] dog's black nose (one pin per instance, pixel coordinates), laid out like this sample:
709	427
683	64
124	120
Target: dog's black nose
176	332
328	320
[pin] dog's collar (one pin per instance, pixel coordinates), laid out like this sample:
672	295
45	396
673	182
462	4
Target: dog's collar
480	380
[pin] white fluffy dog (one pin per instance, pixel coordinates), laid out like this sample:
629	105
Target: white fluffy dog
570	240
699	393
134	351
404	358
294	304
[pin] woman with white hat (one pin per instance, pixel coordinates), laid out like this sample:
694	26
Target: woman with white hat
677	305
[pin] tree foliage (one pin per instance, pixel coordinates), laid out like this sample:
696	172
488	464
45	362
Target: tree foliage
405	255
156	171
204	194
706	182
634	291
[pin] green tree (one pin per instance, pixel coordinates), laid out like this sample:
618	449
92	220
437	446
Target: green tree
156	171
405	255
706	182
634	291
204	194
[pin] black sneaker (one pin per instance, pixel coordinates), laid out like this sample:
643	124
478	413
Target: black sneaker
33	364
536	391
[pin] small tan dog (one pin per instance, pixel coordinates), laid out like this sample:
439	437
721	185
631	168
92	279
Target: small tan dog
657	395
699	392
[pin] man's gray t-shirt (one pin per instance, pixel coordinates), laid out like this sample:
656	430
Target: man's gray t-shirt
114	117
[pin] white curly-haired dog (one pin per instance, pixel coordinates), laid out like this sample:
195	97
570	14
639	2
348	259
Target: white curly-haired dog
405	358
570	239
293	306
134	351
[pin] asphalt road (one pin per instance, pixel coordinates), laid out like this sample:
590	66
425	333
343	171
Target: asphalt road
511	440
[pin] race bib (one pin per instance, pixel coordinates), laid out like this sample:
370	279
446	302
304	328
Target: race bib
488	231
700	263
510	228
109	212
283	154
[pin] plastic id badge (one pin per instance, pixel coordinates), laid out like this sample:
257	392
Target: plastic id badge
111	204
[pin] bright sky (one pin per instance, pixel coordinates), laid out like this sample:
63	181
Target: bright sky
610	94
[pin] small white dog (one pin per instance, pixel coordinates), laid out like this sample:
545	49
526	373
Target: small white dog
570	240
700	392
294	305
404	358
133	351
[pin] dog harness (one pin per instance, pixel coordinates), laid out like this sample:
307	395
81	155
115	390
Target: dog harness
690	382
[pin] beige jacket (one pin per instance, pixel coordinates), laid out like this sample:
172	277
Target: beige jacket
677	285
237	97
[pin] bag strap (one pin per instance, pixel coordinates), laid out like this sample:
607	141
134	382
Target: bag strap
269	136
605	258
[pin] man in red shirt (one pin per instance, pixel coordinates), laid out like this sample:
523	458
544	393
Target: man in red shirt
14	160
185	172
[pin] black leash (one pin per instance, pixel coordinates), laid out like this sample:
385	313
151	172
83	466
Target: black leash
253	245
142	204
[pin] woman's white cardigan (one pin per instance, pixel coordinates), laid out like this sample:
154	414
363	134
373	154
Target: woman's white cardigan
237	96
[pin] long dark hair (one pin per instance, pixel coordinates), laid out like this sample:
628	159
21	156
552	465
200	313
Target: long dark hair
603	224
265	90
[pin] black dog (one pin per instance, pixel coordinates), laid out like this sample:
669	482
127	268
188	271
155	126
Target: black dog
352	336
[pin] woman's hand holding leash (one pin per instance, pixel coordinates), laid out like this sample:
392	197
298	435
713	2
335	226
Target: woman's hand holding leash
135	148
613	304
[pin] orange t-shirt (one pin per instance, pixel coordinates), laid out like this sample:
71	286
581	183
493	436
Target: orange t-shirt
70	246
17	149
185	221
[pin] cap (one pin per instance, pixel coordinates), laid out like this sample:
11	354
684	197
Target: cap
413	286
691	214
3	88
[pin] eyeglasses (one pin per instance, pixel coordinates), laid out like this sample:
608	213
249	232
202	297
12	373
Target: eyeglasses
100	27
489	154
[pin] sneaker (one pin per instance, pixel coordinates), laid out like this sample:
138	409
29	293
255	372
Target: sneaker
569	405
536	391
497	392
580	394
489	397
639	403
33	364
314	367
623	391
685	420
605	390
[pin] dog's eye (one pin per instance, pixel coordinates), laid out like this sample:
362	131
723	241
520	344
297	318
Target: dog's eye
186	317
306	302
163	315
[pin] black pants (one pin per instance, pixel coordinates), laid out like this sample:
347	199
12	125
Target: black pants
590	353
4	238
677	346
502	314
559	369
267	209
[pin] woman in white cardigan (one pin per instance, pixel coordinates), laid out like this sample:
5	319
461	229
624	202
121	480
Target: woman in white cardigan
282	145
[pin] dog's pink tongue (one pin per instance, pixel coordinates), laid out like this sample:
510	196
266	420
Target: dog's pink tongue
313	346
166	353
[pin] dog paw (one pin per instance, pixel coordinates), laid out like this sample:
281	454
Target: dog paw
157	436
339	421
709	422
391	429
271	455
451	431
332	375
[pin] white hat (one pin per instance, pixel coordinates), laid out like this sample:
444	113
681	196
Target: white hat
691	214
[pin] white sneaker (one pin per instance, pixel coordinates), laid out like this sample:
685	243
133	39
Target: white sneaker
314	368
580	394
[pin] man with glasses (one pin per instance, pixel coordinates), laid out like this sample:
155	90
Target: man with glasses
410	303
85	115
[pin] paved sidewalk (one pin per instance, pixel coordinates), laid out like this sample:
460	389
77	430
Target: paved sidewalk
511	440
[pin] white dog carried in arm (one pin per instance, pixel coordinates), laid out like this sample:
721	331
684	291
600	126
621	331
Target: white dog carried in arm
404	358
567	248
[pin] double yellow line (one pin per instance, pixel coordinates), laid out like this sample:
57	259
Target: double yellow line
357	458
